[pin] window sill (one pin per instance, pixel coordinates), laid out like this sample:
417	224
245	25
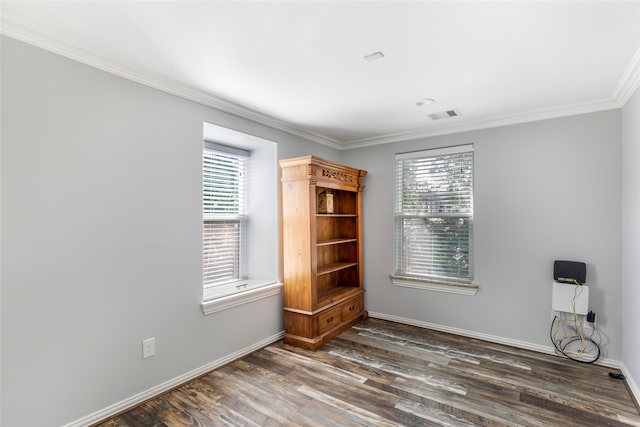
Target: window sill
243	297
435	285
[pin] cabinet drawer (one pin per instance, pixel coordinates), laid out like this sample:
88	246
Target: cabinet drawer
329	319
351	308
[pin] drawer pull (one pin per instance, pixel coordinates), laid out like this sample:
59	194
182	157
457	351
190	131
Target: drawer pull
330	319
353	307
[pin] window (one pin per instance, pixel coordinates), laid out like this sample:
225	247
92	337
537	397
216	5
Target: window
224	181
240	217
434	217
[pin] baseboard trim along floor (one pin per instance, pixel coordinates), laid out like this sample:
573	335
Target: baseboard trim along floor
485	337
635	391
123	405
387	373
137	399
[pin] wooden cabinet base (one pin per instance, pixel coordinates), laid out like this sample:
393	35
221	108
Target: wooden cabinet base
318	341
311	330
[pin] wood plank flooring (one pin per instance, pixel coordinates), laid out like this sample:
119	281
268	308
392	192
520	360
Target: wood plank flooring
381	373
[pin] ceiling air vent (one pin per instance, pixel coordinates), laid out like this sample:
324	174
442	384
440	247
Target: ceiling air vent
445	114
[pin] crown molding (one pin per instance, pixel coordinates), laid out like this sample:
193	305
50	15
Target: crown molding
628	84
22	32
626	87
491	122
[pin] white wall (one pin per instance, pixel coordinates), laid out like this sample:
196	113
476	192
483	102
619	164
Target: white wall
101	239
631	238
543	191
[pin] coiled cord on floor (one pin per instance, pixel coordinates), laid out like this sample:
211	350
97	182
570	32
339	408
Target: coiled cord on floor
562	344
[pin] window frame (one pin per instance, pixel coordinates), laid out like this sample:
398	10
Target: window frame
262	265
400	276
237	214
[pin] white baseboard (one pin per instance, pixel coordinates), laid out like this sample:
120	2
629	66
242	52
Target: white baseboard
161	388
514	343
486	337
168	385
632	384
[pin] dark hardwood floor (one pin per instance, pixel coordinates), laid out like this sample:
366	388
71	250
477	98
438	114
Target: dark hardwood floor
381	373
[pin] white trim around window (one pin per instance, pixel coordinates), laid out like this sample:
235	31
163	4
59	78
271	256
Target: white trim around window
433	248
260	291
251	200
468	289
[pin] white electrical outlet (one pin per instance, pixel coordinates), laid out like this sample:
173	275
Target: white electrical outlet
148	347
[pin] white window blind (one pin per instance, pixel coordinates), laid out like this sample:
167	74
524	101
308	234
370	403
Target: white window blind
434	214
224	181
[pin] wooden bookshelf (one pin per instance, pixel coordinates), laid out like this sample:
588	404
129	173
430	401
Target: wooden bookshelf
322	244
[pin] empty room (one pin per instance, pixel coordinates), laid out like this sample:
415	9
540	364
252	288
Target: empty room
379	213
